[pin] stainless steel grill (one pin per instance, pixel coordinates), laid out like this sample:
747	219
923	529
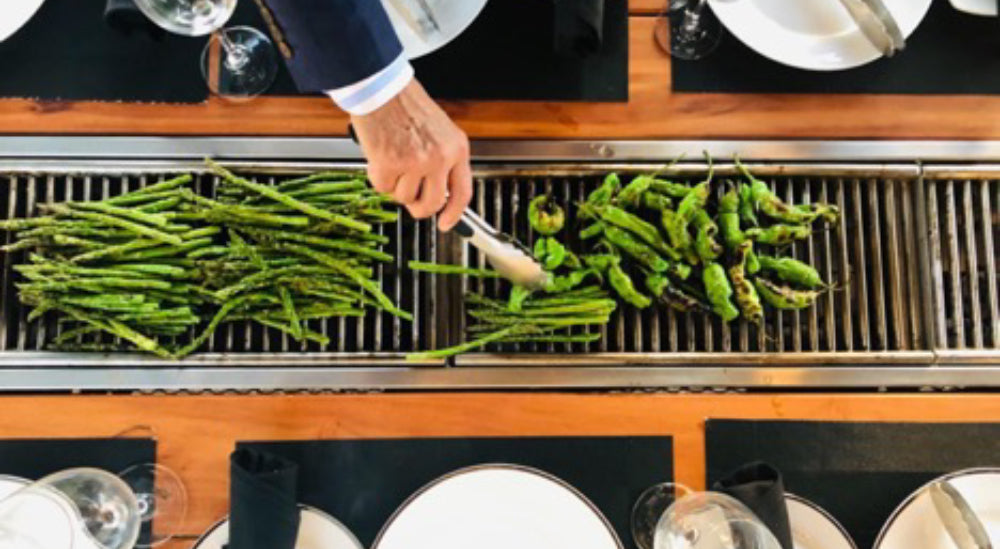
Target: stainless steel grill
914	260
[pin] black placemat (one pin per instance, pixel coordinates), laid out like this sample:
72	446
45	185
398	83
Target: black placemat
859	472
508	53
35	458
949	53
68	52
361	482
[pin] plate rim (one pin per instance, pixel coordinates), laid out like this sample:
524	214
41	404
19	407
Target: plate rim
31	16
417	53
826	514
905	504
825	69
302	507
497	466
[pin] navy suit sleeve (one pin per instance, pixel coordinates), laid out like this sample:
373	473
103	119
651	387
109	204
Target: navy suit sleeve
329	44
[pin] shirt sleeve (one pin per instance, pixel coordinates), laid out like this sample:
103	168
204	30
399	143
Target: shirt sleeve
371	93
345	47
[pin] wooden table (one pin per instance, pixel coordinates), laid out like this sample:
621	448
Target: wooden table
652	112
197	433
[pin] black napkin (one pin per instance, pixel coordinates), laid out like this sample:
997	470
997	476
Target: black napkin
579	27
759	486
263	501
124	16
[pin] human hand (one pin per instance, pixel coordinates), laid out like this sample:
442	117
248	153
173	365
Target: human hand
417	155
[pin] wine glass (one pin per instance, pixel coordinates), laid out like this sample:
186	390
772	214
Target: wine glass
238	62
35	517
696	520
109	509
688	30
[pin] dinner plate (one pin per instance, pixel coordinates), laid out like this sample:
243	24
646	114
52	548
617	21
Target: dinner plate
976	7
815	34
498	507
452	16
317	530
915	522
47	512
14	14
813	527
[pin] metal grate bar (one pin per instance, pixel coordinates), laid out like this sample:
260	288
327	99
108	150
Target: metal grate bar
972	264
894	259
990	255
954	266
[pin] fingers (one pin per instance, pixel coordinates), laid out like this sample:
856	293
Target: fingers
408	188
384	180
460	193
433	194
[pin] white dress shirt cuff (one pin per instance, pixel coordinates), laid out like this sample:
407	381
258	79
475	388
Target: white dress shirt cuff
371	93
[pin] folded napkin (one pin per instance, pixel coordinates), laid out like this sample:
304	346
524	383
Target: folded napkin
263	501
759	486
124	16
579	27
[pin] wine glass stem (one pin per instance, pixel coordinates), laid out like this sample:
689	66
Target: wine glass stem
236	55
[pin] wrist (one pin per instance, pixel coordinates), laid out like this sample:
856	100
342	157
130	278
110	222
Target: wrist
374	92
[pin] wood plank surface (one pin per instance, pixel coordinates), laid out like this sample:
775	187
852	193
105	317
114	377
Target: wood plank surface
197	433
652	112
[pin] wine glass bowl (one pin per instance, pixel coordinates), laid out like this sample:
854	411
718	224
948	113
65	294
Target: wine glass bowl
188	17
688	30
106	505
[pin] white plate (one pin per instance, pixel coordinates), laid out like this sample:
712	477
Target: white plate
810	34
14	14
813	527
453	16
317	530
976	7
49	512
915	522
497	507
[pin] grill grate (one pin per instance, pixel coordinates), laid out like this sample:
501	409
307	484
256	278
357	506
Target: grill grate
964	219
376	332
903	256
872	256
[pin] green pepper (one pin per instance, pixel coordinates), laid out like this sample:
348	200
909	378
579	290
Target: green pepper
601	262
783	297
558	284
603	194
679	237
719	291
555	254
746	296
539	251
670	188
779	235
545	216
592	231
624	287
632	193
646	231
793	271
656	201
748	209
704	243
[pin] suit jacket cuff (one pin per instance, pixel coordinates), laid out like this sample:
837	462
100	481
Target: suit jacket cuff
371	93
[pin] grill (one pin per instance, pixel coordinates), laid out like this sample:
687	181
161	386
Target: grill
914	259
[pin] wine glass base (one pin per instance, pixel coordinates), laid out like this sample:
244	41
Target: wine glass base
648	509
684	39
162	499
239	63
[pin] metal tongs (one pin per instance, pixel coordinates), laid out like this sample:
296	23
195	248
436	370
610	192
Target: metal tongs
877	24
507	256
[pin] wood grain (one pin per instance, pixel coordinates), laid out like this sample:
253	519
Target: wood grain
196	433
652	112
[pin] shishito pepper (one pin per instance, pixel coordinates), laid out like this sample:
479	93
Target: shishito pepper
661	288
793	271
746	296
545	216
783	297
623	285
779	235
719	291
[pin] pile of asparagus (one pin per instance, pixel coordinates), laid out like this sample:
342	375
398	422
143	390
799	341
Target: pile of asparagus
163	261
